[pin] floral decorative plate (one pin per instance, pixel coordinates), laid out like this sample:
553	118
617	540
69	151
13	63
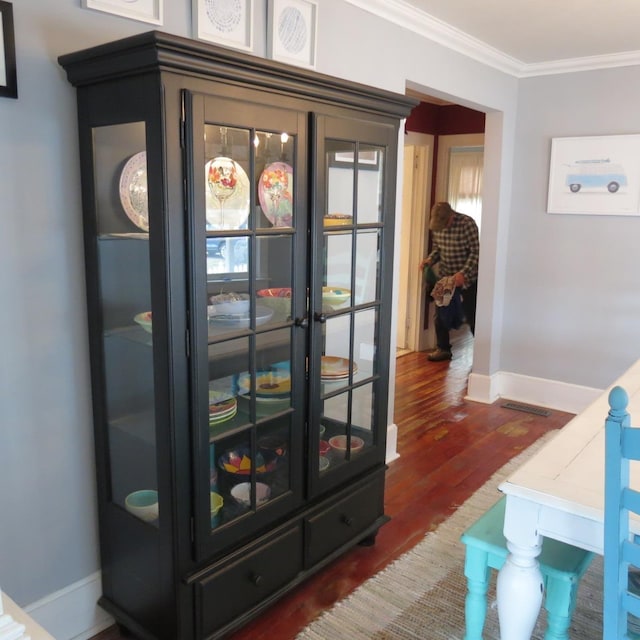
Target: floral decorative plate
275	192
227	193
133	190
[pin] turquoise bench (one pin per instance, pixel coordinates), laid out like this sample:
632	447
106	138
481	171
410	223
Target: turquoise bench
561	565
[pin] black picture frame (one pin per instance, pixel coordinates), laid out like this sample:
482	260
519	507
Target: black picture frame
8	71
368	159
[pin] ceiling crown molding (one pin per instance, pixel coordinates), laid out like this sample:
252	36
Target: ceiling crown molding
409	17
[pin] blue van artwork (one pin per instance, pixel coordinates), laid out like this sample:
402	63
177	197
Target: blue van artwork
596	174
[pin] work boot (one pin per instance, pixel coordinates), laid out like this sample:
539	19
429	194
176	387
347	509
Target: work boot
439	355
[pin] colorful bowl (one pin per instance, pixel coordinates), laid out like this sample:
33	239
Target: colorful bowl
325	447
339	444
237	462
278	299
273	445
277	292
216	502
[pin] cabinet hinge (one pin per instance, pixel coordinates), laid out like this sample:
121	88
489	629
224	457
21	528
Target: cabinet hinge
187	343
192	525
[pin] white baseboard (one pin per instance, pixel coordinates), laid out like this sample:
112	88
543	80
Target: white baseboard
551	394
72	612
392	443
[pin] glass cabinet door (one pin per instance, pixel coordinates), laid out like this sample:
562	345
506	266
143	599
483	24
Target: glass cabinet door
348	328
248	229
123	279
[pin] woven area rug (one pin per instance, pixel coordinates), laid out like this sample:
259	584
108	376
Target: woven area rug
421	595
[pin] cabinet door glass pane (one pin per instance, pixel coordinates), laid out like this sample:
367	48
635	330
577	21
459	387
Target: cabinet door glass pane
275	171
250	235
124	274
370	192
337	281
367	273
354	190
350	276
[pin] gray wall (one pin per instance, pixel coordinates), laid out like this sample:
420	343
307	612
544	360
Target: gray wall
548	306
572	300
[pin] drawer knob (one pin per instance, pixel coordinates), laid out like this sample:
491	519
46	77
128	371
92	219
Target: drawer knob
347	520
256	579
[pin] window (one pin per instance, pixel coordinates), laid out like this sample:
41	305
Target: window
465	181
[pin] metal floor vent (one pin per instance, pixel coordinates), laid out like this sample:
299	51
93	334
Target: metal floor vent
527	408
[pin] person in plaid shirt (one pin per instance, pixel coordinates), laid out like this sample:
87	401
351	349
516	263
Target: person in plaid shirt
456	248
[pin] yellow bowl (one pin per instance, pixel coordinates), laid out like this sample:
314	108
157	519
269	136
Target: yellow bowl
335	296
337	220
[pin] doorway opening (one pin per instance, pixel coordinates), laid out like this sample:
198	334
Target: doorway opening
443	161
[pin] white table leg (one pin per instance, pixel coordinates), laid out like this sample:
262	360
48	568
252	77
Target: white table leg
519	591
520	586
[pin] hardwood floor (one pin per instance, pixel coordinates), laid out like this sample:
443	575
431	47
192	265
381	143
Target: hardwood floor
448	448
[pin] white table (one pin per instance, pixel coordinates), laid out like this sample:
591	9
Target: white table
559	493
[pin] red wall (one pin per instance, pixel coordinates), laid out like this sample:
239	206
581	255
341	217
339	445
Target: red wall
444	120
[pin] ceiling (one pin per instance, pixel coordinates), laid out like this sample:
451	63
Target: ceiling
526	37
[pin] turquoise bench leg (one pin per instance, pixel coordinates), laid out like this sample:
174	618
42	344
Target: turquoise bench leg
477	572
560	602
561	565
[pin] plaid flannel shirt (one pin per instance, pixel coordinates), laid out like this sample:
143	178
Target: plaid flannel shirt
457	248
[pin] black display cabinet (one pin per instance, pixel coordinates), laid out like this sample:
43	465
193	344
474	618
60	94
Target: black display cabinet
239	218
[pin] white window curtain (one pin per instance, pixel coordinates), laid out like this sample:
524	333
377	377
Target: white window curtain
465	181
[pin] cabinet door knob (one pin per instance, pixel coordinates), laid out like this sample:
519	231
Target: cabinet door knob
347	520
256	579
302	322
320	317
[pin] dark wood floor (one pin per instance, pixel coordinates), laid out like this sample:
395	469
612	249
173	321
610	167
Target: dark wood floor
448	448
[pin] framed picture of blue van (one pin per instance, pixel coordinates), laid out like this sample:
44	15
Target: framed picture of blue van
596	175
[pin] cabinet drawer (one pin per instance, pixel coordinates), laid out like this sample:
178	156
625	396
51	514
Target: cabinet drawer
255	573
342	521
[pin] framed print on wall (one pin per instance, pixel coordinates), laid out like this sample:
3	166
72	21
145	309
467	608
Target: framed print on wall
597	175
8	72
292	31
143	10
226	22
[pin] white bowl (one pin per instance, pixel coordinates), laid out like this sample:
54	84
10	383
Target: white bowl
237	314
232	307
144	320
143	504
242	493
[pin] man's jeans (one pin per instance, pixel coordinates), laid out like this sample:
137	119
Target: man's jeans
469	298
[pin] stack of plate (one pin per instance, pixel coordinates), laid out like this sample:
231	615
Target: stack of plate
222	407
273	391
336	368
